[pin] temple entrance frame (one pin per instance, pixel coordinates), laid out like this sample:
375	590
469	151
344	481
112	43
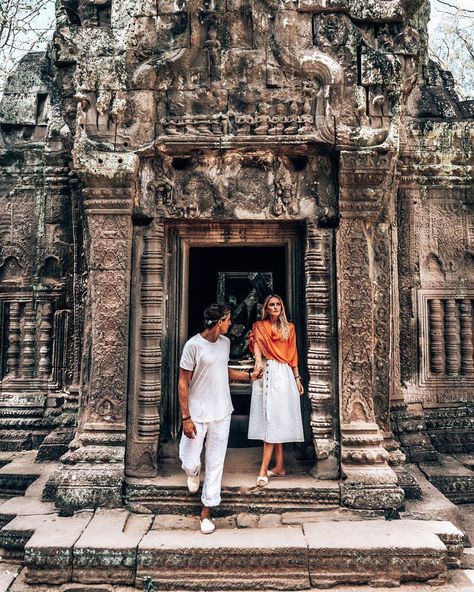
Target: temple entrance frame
160	265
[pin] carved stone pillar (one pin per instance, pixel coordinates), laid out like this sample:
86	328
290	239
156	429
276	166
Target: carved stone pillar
144	402
365	184
97	452
321	337
13	352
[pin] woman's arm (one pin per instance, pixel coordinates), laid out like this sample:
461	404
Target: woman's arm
258	367
299	384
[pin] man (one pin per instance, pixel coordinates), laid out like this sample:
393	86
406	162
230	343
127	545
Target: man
206	406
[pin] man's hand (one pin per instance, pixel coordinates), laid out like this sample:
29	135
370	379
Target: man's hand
189	429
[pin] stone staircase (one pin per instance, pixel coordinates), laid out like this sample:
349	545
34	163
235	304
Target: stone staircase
453	475
251	549
302	493
25	429
120	548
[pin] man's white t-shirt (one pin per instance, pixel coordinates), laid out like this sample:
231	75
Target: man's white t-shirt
209	393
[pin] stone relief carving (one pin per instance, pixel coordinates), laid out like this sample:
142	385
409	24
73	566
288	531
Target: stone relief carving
220	113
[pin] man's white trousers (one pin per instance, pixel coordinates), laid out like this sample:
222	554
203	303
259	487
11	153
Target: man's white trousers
215	434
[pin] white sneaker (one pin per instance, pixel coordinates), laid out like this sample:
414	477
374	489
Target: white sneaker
193	483
207	526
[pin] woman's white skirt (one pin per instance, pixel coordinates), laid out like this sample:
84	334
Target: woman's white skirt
275	412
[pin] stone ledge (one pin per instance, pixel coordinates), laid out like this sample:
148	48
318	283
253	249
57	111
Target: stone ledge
378	553
48	554
172	499
229	559
452	478
119	548
107	549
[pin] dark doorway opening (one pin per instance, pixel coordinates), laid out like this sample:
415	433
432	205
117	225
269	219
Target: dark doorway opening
232	274
206	263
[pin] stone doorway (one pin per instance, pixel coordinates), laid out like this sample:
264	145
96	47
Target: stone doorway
302	271
241	271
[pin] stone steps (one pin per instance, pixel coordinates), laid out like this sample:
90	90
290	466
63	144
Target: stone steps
116	547
12	440
168	499
452	478
18	473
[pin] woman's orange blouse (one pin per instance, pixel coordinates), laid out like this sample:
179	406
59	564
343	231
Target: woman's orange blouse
272	346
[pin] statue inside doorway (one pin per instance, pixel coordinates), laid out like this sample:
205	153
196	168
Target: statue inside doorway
245	292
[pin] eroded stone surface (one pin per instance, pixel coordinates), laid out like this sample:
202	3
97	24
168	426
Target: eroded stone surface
228	559
375	552
106	550
49	552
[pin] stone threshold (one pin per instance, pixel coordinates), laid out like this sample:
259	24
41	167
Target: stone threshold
162	495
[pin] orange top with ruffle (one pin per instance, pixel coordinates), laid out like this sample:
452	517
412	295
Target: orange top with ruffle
272	346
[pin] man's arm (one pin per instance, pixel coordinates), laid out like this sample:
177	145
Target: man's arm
240	375
189	427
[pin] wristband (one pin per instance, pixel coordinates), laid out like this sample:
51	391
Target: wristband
298	377
186	418
250	374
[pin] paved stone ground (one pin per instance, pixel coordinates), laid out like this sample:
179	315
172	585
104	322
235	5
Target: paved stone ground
120	530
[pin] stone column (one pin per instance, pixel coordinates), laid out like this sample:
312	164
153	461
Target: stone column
96	458
366	180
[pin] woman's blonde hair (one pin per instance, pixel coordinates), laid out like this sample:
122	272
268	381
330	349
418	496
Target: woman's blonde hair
282	322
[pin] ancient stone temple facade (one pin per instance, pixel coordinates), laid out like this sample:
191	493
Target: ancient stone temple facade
308	142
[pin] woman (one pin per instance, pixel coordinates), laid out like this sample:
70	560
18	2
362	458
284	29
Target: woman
275	413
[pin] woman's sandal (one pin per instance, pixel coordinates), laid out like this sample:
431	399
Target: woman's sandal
272	474
262	480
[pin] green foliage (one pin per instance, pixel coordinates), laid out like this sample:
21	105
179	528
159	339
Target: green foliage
25	25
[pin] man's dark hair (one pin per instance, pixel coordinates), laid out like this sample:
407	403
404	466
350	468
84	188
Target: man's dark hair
213	313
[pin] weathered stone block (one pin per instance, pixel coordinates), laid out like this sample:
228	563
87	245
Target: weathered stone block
172	522
106	551
23	506
374	497
15	535
227	560
48	554
55	444
452	478
374	553
87	486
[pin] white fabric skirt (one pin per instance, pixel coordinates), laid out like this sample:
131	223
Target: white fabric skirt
275	411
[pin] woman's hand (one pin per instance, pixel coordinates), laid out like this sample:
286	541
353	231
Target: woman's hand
189	428
257	370
299	385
